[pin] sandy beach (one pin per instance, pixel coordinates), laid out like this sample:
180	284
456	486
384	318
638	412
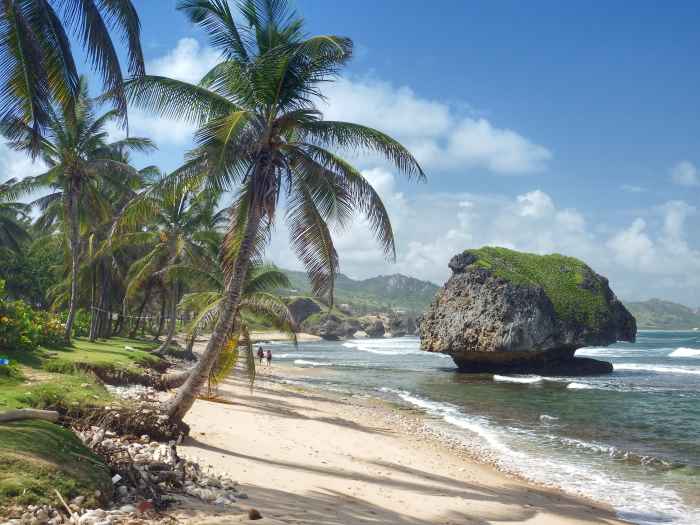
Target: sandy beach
312	457
262	337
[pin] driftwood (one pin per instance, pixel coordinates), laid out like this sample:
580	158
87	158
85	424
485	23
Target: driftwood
28	413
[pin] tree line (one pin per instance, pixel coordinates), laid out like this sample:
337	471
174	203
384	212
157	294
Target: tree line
191	241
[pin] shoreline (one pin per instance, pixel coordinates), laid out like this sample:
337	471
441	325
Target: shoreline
308	455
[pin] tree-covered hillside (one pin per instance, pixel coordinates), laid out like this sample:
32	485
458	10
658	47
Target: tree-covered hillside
382	293
664	315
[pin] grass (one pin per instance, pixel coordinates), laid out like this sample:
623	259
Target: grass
55	379
577	295
111	353
37	457
64	392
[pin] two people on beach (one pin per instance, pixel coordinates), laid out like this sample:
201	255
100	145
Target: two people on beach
264	355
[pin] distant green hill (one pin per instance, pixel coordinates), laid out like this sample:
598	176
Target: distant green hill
377	294
663	315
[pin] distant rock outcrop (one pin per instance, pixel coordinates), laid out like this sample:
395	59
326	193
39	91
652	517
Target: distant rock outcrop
506	311
332	328
303	308
373	325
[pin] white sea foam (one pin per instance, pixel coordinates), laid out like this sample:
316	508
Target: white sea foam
579	386
303	362
661	369
384	346
295	355
685	352
615	352
390	346
517	379
630	498
452	415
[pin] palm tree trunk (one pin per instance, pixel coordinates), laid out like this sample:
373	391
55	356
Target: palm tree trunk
161	320
71	204
189	350
95	317
173	321
186	395
146	297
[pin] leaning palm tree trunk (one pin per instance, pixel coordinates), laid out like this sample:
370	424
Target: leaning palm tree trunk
185	397
71	205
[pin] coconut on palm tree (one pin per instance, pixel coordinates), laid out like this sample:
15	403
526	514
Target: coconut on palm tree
80	158
36	60
261	134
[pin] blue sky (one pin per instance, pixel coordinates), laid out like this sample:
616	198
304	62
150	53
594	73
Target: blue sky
544	126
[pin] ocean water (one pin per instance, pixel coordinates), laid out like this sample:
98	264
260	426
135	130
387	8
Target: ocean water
630	439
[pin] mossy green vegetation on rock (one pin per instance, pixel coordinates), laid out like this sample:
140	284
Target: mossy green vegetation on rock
37	457
570	285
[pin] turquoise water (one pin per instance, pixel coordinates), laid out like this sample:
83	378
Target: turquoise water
631	438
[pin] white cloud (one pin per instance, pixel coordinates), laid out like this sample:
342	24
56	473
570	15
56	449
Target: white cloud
649	257
189	61
685	173
162	131
438	136
478	143
535	204
434	132
17	165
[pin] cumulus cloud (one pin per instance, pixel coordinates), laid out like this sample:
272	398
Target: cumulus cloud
477	143
17	165
685	173
434	132
189	61
649	257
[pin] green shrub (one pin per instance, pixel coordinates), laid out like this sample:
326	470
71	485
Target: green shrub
575	291
81	323
23	328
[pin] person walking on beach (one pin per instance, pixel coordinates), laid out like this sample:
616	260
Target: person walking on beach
261	354
269	357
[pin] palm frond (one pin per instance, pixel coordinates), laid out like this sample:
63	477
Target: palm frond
355	137
177	100
311	240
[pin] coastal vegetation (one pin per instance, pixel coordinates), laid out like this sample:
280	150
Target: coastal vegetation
107	262
568	282
664	315
261	135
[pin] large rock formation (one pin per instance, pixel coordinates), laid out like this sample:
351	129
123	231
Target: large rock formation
302	308
506	311
331	328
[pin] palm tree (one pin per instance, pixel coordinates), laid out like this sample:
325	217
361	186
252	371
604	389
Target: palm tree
37	68
258	304
261	133
79	159
178	219
12	214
